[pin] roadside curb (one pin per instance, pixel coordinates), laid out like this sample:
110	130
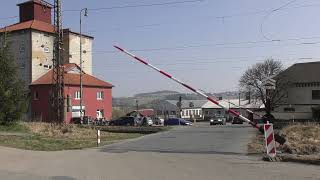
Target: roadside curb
304	159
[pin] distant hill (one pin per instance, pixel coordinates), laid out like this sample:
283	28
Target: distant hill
144	99
159	94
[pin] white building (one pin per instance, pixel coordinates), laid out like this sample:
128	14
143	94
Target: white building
210	109
303	91
31	42
190	108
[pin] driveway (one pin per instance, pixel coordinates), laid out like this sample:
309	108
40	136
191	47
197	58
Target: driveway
201	152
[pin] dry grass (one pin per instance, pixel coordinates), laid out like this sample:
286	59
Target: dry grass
54	137
302	139
61	131
256	145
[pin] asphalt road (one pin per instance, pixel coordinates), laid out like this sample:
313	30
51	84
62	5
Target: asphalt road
199	152
202	139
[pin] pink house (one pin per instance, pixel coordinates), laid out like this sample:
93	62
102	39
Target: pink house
97	95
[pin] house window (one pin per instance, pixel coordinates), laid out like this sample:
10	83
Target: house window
289	109
100	95
35	95
187	113
315	94
77	95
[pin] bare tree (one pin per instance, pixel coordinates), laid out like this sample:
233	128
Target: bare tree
252	79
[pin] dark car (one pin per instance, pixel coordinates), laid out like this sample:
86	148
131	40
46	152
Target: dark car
176	121
77	120
126	121
218	121
237	120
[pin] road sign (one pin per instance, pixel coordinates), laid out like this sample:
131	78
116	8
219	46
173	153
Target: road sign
269	140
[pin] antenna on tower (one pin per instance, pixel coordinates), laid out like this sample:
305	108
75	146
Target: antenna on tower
58	69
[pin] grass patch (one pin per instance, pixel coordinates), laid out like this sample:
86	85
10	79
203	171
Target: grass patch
53	137
15	127
302	139
40	143
257	144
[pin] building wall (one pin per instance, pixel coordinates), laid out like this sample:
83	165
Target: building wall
42	53
90	102
210	112
299	99
194	112
41	107
72	51
32	52
19	43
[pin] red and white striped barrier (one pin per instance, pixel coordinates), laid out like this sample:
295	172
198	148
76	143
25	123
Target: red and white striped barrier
269	140
235	113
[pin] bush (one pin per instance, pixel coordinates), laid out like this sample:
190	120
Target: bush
13	94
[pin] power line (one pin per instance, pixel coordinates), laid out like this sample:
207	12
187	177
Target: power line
214	62
269	14
218	17
139	5
223	45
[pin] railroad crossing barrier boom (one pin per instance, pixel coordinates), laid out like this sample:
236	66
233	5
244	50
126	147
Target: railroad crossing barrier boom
235	113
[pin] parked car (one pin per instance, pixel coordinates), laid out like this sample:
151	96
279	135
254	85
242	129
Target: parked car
218	121
100	122
158	121
177	121
147	121
237	120
126	121
86	120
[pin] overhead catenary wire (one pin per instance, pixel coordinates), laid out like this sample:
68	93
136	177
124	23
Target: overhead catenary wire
113	66
223	17
223	45
270	13
139	5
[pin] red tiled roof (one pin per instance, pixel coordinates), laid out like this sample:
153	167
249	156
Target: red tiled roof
32	24
72	78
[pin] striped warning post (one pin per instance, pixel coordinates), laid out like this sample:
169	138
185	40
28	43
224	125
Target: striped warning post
269	140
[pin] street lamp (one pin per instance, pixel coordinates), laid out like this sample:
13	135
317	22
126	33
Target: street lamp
85	10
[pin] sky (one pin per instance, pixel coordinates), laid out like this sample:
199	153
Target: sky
207	43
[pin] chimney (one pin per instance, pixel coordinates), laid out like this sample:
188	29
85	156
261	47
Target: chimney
35	10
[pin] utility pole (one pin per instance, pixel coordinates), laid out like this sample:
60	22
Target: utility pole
58	70
137	105
81	61
179	106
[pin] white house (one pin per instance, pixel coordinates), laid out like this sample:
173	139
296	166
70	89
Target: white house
210	109
303	91
190	108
